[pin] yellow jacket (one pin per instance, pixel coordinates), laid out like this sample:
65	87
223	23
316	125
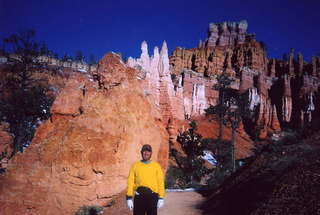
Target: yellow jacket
147	175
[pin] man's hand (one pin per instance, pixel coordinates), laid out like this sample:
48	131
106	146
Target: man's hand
130	204
160	203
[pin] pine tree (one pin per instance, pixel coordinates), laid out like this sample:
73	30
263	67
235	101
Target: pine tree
24	55
79	56
190	162
28	102
228	111
92	59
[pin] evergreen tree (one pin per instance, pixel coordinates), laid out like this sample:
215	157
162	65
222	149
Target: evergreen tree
222	86
92	59
228	111
190	161
66	57
27	103
79	56
23	53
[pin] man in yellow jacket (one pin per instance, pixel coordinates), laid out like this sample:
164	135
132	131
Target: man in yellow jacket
145	185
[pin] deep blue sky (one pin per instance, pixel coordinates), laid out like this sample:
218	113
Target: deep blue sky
97	27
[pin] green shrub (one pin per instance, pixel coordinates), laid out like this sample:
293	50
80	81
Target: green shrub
290	137
175	178
191	169
90	210
224	167
24	111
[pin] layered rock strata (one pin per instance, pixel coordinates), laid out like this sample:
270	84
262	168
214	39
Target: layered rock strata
286	89
188	93
281	91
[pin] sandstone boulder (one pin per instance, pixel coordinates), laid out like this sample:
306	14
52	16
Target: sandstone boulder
82	155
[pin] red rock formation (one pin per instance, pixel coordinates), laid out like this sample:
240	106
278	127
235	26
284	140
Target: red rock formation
190	92
247	61
213	60
246	79
229	48
275	124
208	129
82	155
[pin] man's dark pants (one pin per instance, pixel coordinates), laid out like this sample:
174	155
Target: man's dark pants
145	202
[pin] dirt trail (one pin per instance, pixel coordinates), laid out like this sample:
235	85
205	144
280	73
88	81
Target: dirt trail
181	203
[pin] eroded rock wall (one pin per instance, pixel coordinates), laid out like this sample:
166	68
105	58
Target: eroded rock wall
286	88
185	89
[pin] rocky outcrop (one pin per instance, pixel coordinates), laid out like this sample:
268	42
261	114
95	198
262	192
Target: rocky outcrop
227	33
82	155
280	91
187	90
286	89
244	59
184	96
157	82
213	60
299	83
244	146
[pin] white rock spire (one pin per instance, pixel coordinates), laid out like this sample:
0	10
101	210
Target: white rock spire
144	58
164	60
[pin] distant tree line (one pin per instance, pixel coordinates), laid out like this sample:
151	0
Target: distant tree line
79	56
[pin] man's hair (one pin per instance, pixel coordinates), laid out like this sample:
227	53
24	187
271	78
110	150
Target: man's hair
146	147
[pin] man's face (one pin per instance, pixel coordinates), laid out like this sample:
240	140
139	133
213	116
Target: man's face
146	155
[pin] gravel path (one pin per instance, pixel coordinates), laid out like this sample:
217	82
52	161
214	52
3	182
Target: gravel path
181	203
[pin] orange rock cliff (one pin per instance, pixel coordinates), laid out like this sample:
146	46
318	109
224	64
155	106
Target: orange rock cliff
82	155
